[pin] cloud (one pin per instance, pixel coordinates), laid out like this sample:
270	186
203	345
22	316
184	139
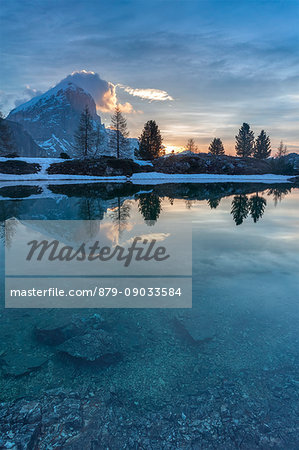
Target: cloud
102	91
28	94
147	94
5	100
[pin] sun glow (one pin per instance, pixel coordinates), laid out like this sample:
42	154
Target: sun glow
173	149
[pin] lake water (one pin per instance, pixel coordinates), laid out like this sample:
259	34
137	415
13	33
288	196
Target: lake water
238	345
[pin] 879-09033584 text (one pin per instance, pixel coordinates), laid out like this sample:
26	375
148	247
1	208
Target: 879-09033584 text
98	291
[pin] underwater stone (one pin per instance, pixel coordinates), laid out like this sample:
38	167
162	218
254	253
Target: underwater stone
55	333
17	365
96	346
196	327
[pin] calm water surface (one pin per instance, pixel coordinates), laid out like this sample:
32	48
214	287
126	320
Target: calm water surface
242	332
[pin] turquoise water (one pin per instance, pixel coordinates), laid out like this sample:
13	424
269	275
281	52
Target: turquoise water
242	332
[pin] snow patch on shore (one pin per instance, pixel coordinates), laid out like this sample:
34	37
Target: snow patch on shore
137	178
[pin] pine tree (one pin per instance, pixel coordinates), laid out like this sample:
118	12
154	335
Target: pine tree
244	141
262	147
85	135
6	140
118	138
190	146
281	150
216	147
150	141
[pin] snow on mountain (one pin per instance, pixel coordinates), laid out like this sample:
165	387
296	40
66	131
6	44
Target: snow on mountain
22	142
53	117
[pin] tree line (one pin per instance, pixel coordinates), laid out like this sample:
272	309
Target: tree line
90	141
150	140
246	145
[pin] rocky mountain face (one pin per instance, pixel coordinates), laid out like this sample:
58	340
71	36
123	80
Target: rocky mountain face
21	141
52	118
293	159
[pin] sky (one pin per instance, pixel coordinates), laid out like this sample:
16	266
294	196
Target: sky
199	68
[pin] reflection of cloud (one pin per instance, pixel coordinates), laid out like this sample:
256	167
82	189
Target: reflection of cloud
147	94
112	230
159	237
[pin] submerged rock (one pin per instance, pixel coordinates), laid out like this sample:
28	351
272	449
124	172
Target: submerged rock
57	333
95	346
17	365
195	327
202	421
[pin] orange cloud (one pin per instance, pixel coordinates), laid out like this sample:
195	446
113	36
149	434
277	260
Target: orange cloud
102	91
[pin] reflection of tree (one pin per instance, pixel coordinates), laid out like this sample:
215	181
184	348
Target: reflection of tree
150	207
214	202
189	204
120	214
279	192
257	207
90	209
240	208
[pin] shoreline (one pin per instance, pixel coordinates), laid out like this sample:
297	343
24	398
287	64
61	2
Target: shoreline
148	178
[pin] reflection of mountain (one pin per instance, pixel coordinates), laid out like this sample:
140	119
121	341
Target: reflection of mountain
50	209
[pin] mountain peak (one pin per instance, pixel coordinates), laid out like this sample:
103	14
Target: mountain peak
64	88
53	117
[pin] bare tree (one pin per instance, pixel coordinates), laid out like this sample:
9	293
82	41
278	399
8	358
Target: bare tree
85	136
191	146
118	139
98	140
281	150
